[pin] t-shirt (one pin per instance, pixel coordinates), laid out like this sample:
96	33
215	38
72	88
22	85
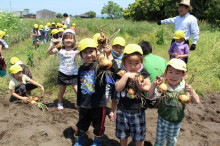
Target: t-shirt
3	43
14	83
42	37
46	28
35	38
118	60
180	49
155	65
67	22
68	64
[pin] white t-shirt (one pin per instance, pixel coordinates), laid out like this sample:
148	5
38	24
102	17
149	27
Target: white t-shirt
67	22
14	83
68	64
46	28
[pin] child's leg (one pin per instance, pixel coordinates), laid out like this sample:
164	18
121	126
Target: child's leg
75	88
114	106
98	120
61	93
140	143
161	132
172	133
124	142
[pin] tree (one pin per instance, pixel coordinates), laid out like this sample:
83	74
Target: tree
113	10
91	14
59	15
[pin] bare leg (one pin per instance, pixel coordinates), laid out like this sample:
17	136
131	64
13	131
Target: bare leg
61	93
114	106
124	142
75	88
140	143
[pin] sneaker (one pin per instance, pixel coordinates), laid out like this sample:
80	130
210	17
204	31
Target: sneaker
60	106
111	116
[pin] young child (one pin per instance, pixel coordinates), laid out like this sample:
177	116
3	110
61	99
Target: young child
20	84
26	71
47	30
116	52
91	101
170	109
53	26
43	36
35	34
73	27
130	120
179	49
60	34
68	68
55	37
64	27
3	44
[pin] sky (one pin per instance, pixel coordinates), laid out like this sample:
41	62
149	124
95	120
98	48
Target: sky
73	7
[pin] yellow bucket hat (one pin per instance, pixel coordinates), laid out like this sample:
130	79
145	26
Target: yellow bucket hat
179	34
2	33
54	31
41	27
73	25
177	64
35	25
119	41
87	43
13	60
64	26
96	36
131	48
61	30
15	69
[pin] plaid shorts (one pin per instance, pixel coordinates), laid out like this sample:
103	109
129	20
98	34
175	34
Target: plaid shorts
131	124
166	130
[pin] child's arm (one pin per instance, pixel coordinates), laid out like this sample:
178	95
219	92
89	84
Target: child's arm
37	84
194	96
152	89
182	56
25	99
51	50
108	52
145	86
120	84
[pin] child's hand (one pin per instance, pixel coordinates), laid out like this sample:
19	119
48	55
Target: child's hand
25	99
42	89
108	48
131	75
158	80
189	89
139	85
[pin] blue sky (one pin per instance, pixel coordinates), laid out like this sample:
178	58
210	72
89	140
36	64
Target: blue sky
74	7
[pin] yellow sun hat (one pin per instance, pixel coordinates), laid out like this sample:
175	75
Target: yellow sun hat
131	48
2	33
177	64
41	27
13	60
96	36
48	24
179	34
35	25
61	30
73	25
53	23
87	43
54	31
15	69
119	41
64	26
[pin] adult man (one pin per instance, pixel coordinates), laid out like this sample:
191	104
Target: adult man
67	21
185	22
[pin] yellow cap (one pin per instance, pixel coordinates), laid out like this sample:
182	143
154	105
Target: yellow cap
177	64
2	33
61	30
96	36
87	43
73	25
131	48
35	25
179	34
64	26
48	24
54	31
53	23
119	41
41	27
13	60
15	69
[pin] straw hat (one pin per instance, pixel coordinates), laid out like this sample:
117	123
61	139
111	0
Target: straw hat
185	2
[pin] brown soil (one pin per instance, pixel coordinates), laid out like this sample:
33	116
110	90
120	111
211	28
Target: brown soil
25	124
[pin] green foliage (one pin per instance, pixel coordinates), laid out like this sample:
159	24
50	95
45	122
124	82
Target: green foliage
30	58
59	15
91	14
113	10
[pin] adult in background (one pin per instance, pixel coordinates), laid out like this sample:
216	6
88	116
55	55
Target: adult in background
185	21
67	21
155	65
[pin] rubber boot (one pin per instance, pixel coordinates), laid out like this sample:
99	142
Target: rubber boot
97	141
78	140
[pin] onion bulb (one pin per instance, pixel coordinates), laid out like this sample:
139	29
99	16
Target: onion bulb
121	73
183	98
141	78
101	57
131	91
163	87
105	64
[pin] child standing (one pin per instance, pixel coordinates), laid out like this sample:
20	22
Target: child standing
170	109
47	30
73	27
68	68
3	44
20	84
43	36
179	49
35	34
130	120
91	100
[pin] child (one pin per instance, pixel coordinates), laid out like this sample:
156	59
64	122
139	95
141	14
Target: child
26	71
55	37
116	52
43	36
20	84
68	68
35	34
130	118
60	34
3	44
91	101
170	109
53	26
179	49
73	27
64	27
47	30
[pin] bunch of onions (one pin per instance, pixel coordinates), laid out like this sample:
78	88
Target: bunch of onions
104	63
33	100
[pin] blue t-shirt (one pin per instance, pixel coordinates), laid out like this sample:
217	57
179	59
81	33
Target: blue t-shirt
118	60
42	37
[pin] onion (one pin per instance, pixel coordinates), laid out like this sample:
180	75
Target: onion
101	57
35	98
105	64
184	98
131	91
163	87
141	78
121	72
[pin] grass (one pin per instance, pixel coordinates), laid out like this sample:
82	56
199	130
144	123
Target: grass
205	59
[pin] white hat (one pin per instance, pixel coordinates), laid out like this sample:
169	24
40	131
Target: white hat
70	31
185	2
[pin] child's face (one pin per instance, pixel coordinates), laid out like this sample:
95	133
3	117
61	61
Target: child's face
118	50
132	63
178	40
60	34
69	40
89	55
18	75
174	76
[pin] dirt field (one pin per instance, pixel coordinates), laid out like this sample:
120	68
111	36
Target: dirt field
23	124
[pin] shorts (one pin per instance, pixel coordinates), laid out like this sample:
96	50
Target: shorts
131	124
3	73
66	79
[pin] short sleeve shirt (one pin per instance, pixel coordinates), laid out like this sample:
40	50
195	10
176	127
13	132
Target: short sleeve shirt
14	83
